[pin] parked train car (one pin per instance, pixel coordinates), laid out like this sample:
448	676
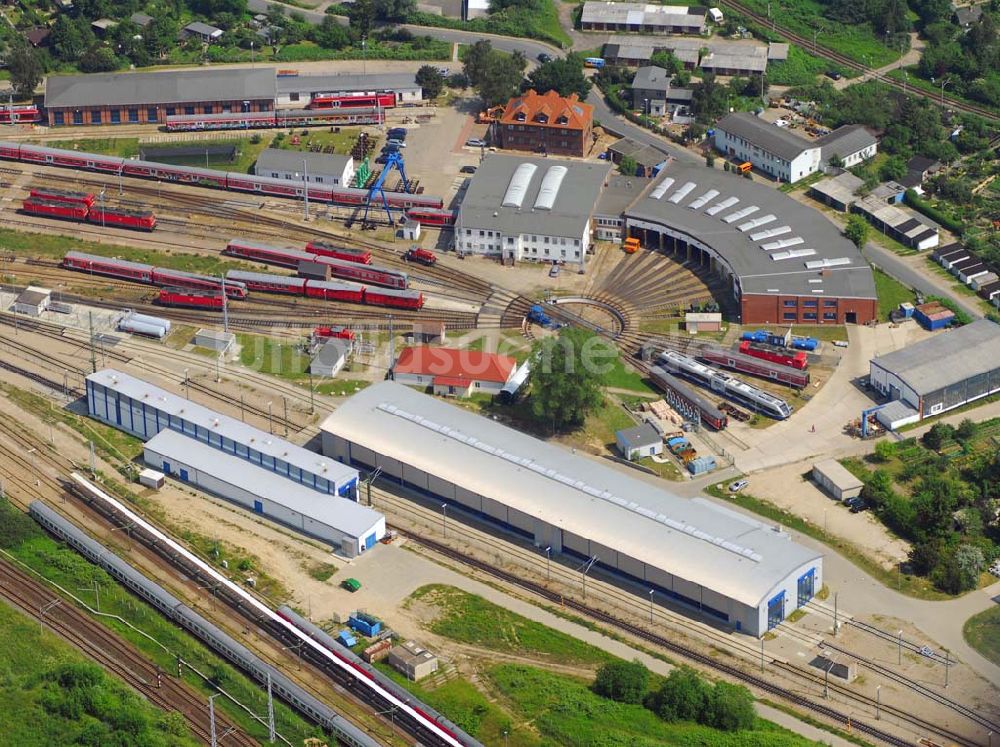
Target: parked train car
432	217
139	220
754	366
20	115
345	196
328	290
326	333
353	100
55	209
190	299
143	273
420	256
687	401
269	120
219	641
798	359
63	195
346	253
368	274
367	670
724	384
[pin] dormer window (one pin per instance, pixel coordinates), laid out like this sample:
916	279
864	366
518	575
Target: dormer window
542	117
519	116
563	119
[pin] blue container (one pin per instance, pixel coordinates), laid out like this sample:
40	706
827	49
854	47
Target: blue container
345	638
701	465
805	343
365	624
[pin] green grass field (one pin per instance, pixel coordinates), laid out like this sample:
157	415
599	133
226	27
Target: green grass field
621	377
982	632
53	695
471	619
891	293
566	712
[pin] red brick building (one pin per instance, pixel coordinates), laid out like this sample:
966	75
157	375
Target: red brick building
143	98
547	123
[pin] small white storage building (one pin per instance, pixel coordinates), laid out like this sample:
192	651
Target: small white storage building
836	480
348	526
330	358
642	441
32	301
315	168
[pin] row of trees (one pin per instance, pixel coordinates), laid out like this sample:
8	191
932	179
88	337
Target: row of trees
683	696
497	76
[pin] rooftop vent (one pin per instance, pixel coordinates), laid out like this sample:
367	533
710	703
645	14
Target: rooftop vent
549	190
518	185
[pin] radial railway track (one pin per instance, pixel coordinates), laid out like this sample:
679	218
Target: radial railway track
114	654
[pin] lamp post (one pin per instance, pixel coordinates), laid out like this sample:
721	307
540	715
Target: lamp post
548	563
587	568
878	702
900	649
270	420
444	519
651	605
211	719
251	55
826	678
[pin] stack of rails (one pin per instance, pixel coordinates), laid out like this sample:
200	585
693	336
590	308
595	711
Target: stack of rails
339	268
687	401
754	366
79	206
150	275
259	185
329	290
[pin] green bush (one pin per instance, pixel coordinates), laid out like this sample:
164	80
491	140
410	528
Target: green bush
622	681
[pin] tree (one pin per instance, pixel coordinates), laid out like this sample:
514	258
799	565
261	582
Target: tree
394	10
330	34
958	569
856	230
25	66
709	100
160	35
69	42
212	8
628	166
668	61
884	451
710	159
501	79
966	430
98	60
935	438
362	16
835	161
562	75
431	80
893	169
566	382
476	60
622	681
683	696
730	707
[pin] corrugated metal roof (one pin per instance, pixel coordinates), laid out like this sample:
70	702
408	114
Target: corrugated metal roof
967	351
340	513
698	540
217	423
175	87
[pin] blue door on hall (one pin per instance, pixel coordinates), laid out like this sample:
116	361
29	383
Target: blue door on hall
370	541
258	507
776	611
166	467
184	474
807	585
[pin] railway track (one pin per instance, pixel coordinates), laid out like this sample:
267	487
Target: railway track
821	51
115	655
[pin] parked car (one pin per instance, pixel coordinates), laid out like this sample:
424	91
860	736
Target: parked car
351	584
857	505
468	170
542	57
833	75
840	343
554	271
927	651
736	487
995	568
444	71
475	142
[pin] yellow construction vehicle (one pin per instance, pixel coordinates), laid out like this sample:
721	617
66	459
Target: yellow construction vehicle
631	245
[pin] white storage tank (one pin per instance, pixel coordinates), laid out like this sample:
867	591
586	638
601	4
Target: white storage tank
128	324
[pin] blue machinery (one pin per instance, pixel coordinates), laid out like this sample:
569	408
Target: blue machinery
864	418
394	160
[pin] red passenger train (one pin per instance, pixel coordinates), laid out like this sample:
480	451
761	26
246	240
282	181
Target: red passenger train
338	268
20	115
782	356
281	118
181	297
329	290
755	366
432	216
352	100
143	273
362	256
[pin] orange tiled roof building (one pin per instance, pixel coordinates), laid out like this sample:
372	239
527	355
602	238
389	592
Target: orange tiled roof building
547	123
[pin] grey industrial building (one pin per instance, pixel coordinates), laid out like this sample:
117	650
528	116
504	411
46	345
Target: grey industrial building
835	479
530	208
344	524
721	56
600	15
698	554
144	410
946	371
318	168
785	263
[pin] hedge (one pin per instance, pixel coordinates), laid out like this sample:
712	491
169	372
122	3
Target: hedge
922	206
